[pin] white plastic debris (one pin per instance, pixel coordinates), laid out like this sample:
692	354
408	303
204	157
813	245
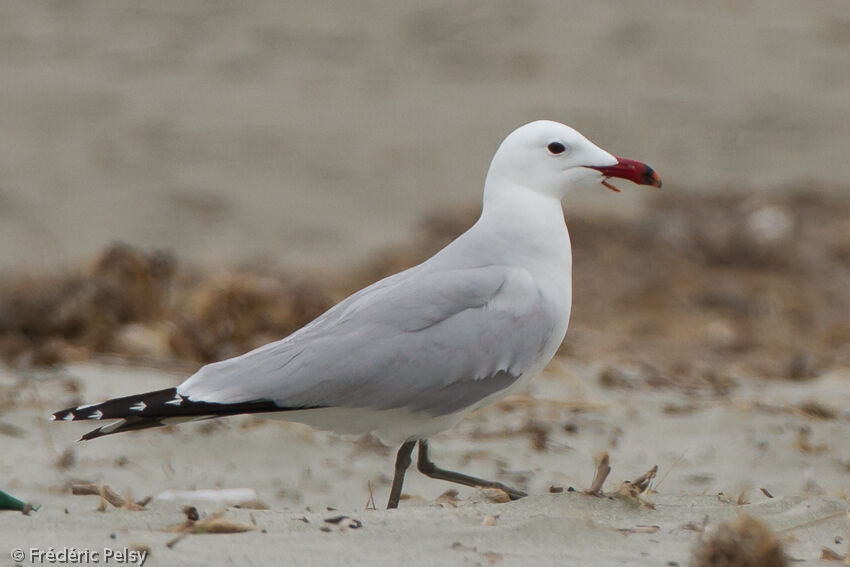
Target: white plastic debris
227	496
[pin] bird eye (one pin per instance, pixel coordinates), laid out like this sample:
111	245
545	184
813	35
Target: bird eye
556	148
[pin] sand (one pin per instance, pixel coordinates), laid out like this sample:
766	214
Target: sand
753	451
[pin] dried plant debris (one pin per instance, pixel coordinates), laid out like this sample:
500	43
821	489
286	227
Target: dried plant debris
12	430
213	524
640	529
59	317
106	495
603	469
138	304
629	489
803	442
495	495
615	377
731	268
638	486
449	498
537	432
66	460
739	500
826	554
743	542
370	503
222	317
368	443
254	504
817	410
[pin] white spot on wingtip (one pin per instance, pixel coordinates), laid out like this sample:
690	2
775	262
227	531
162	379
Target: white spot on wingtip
68	416
112	426
139	406
96	415
176	401
87	406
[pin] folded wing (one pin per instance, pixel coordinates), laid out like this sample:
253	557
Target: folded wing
436	343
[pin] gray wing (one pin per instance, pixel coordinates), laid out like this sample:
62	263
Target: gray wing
434	342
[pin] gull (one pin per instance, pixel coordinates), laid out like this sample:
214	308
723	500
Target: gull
410	355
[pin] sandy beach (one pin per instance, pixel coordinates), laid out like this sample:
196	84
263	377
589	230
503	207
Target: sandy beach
758	451
181	182
726	370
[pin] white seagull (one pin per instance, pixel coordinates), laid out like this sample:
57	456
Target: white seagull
411	355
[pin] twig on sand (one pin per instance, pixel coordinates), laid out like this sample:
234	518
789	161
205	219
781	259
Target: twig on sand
603	469
826	554
370	503
640	484
213	524
630	489
106	494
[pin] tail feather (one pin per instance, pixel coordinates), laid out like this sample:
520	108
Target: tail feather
128	424
134	423
156	409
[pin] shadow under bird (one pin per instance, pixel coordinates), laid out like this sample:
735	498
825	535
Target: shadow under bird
409	356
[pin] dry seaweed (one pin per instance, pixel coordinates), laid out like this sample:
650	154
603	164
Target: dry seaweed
744	542
707	276
138	304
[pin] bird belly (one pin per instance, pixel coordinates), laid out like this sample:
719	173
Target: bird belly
392	426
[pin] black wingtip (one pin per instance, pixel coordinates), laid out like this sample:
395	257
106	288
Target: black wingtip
64	415
93	434
155	409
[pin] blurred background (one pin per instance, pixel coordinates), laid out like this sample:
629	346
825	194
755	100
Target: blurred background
314	135
181	181
258	161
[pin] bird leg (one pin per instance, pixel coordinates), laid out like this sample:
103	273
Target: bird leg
428	468
402	461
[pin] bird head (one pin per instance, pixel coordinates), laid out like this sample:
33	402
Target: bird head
551	158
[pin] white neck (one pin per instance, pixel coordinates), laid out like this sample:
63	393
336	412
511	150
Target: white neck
532	222
528	208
